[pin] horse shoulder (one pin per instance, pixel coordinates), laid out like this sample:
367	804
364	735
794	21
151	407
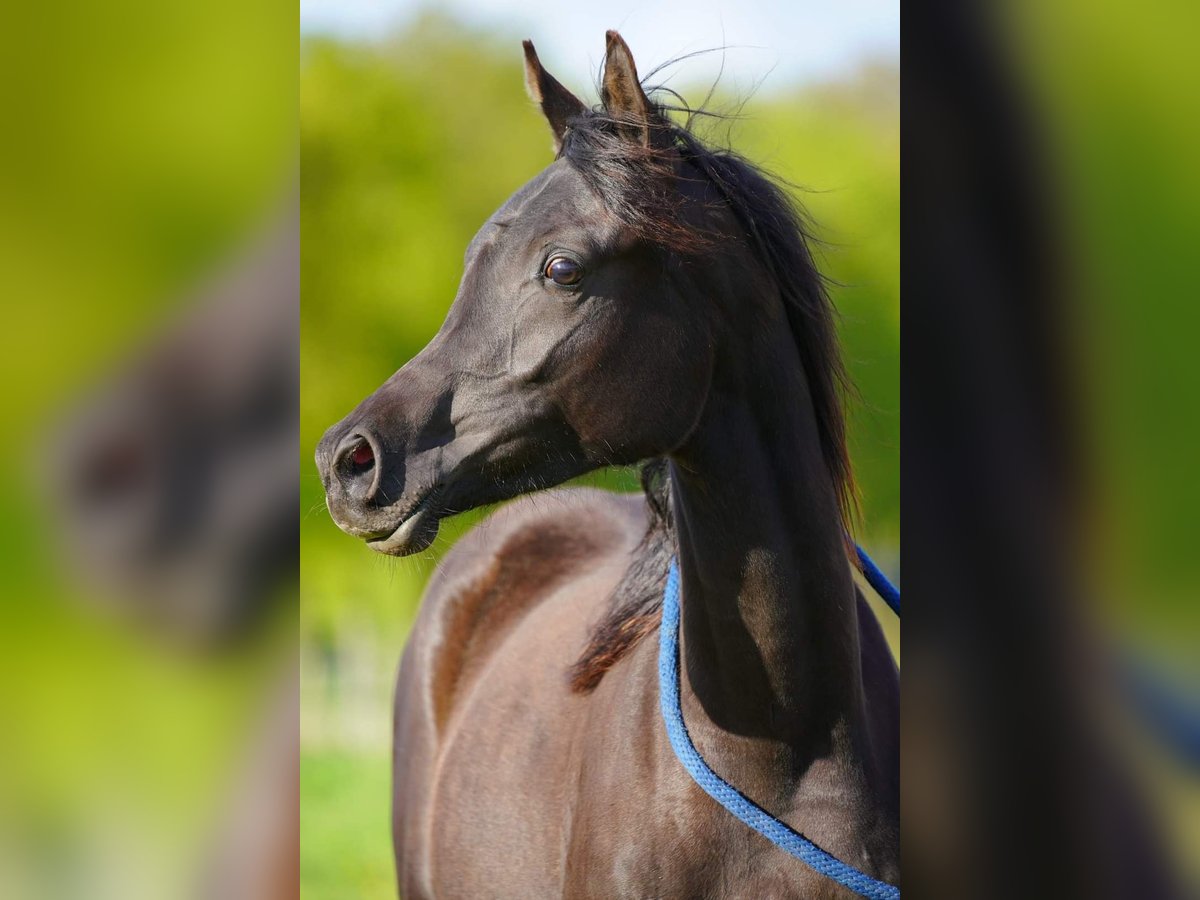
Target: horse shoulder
495	575
502	569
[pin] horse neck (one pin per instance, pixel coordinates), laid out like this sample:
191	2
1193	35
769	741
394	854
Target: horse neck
769	621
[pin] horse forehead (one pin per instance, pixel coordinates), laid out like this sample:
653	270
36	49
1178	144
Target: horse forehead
557	191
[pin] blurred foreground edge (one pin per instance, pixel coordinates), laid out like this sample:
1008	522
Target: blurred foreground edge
176	479
177	507
1014	785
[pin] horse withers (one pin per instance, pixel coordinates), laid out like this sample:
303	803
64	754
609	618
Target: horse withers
645	299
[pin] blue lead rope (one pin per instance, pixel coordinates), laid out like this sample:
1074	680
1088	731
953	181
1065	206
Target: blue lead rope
878	581
753	815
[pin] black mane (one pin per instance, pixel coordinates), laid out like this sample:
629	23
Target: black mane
635	183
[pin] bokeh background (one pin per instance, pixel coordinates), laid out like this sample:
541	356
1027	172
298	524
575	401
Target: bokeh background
148	152
414	127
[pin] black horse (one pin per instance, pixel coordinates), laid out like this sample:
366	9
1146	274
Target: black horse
645	298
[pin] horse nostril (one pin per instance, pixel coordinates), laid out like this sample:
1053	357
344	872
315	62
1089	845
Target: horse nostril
356	461
353	467
362	457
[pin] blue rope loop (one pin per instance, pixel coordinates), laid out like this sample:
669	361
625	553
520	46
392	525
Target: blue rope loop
749	812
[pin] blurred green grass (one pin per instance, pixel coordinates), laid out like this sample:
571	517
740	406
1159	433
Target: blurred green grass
345	825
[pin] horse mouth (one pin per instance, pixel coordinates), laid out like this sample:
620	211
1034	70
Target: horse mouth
414	533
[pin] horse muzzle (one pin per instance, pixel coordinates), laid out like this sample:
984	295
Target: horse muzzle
370	494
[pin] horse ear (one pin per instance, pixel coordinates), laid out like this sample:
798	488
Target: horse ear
624	99
558	104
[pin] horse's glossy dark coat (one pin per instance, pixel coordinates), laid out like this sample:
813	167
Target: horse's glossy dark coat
682	341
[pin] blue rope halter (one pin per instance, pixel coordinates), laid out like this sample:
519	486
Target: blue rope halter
721	790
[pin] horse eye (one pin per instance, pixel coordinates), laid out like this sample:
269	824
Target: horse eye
562	270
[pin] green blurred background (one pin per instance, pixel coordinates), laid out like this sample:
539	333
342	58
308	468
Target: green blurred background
407	145
144	146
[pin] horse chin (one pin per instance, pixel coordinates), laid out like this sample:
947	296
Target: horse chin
414	534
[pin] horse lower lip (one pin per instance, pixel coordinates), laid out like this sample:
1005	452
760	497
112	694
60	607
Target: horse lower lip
402	537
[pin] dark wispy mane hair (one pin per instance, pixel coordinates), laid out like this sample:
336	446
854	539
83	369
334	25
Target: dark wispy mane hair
637	183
